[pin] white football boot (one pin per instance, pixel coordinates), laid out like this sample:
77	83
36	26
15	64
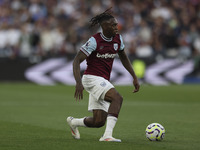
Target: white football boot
74	129
109	139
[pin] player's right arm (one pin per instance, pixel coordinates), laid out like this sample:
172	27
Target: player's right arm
79	58
84	52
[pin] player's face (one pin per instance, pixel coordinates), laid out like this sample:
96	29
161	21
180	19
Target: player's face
111	27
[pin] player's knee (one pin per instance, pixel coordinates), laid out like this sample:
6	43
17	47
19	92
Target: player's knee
119	99
99	123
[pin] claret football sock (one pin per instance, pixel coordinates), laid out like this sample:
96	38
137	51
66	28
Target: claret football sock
111	121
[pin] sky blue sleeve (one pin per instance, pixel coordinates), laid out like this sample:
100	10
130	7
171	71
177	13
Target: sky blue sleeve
89	46
122	43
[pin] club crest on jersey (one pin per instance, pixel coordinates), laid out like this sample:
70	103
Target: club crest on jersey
115	46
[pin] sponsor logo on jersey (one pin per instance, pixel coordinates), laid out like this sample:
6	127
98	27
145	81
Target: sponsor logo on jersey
115	46
106	55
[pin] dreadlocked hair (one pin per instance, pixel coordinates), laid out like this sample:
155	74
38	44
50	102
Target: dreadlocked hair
106	15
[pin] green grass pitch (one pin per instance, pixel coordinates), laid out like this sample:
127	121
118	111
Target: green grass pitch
33	117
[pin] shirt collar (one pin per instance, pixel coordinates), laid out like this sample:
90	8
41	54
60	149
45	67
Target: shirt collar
105	38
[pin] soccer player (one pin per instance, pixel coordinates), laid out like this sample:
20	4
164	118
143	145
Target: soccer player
104	100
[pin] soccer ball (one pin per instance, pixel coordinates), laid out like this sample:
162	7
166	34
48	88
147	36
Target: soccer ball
155	132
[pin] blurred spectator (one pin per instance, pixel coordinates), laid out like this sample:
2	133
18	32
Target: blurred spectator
185	44
196	45
24	42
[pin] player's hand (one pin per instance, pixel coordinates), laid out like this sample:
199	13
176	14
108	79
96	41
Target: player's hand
136	85
79	92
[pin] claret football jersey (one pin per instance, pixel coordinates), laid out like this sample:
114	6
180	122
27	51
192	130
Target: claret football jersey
101	52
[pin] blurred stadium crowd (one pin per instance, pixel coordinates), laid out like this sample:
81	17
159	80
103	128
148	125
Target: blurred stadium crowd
150	28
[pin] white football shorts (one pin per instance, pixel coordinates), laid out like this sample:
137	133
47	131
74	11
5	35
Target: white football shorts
97	87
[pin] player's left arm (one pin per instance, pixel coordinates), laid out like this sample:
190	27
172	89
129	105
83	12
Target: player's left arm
127	64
